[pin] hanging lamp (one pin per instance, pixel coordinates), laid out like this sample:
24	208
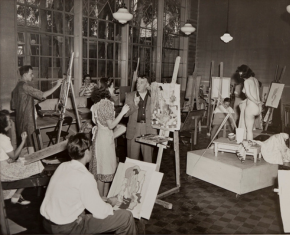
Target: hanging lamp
288	8
123	15
187	28
227	37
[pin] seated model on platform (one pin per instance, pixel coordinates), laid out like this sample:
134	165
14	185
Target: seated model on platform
251	106
219	115
72	190
87	89
104	162
11	168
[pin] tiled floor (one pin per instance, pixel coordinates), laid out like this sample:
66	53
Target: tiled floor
199	207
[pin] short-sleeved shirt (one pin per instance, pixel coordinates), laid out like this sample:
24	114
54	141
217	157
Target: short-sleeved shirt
5	147
23	97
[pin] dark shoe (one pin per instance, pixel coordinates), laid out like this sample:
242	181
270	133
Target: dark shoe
20	201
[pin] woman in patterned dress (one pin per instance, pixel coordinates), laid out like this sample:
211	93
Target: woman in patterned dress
10	168
104	161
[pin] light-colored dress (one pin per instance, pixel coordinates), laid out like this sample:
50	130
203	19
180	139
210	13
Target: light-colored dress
104	162
16	170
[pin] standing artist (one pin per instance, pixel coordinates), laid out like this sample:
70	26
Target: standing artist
139	120
23	97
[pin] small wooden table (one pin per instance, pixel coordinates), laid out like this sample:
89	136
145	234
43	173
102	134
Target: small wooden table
225	145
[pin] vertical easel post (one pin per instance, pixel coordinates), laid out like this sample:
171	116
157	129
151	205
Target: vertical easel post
209	110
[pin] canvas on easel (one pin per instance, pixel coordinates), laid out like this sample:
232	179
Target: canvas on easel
165	106
220	87
274	95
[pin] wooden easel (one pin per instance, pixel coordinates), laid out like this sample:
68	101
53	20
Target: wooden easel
276	80
216	100
161	147
64	93
135	76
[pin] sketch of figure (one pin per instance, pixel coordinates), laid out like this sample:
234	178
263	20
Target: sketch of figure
274	95
130	193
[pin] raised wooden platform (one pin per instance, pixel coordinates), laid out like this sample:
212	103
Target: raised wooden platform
227	171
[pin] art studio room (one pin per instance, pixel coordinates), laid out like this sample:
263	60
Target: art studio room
144	116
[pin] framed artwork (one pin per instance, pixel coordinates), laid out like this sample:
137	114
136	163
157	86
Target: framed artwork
221	87
165	106
136	185
274	95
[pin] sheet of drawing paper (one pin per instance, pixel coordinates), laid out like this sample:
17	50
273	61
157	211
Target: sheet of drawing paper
130	185
165	106
284	195
151	195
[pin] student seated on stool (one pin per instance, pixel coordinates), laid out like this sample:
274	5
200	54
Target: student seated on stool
219	115
72	189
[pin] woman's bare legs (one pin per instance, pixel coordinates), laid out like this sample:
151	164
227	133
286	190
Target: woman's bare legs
103	188
251	111
101	185
106	189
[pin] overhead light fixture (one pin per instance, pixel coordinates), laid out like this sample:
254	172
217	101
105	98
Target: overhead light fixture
288	8
187	28
123	15
227	37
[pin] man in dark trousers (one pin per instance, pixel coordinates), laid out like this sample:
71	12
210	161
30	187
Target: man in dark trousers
22	102
139	120
72	189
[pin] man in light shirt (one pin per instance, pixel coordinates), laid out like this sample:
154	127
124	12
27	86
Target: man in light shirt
72	189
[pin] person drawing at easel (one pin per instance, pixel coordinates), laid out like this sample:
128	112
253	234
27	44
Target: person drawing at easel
219	115
22	102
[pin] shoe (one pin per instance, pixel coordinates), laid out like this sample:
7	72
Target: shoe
20	201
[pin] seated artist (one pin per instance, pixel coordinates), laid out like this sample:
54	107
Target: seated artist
11	168
72	189
87	89
219	115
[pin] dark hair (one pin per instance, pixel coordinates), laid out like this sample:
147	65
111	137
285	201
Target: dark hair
77	145
99	94
237	78
227	99
24	69
87	75
3	121
106	82
145	77
246	71
160	87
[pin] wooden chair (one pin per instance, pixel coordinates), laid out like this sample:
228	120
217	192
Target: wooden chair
53	134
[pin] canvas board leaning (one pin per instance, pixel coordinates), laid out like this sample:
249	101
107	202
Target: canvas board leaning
136	185
274	95
165	106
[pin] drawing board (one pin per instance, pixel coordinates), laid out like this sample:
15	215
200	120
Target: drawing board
274	95
165	106
136	185
220	87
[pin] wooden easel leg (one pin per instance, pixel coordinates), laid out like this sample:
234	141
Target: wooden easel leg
177	160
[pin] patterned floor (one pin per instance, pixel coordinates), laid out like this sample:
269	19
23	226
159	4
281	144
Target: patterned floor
199	207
